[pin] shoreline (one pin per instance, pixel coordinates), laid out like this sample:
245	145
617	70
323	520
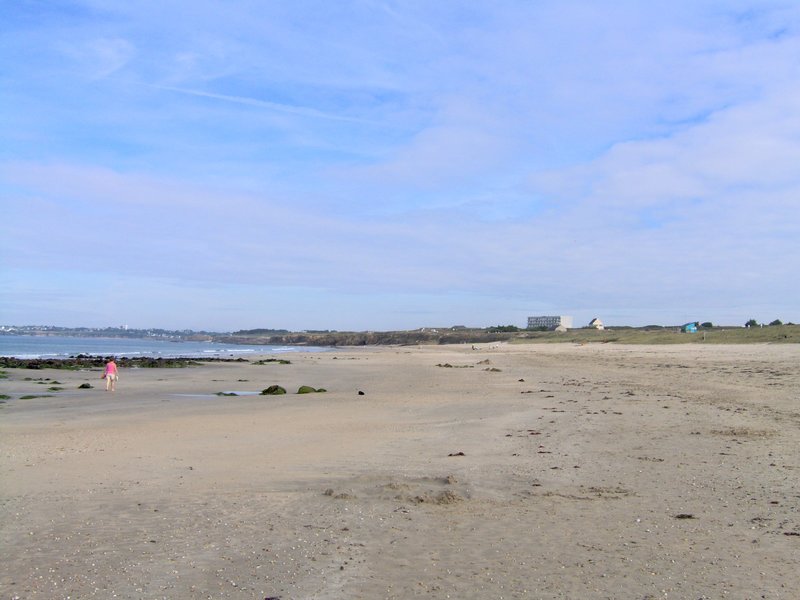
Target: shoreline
513	470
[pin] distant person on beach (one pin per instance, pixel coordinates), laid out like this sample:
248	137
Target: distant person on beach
111	375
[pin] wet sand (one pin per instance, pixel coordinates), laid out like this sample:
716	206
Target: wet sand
517	471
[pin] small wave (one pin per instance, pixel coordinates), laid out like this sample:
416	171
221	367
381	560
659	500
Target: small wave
228	351
29	347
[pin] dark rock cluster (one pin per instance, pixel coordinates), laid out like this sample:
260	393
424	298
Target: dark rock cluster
307	389
273	390
82	361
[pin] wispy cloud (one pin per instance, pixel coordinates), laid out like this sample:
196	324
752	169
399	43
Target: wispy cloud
101	57
407	159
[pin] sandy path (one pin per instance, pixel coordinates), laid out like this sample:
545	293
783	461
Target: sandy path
587	472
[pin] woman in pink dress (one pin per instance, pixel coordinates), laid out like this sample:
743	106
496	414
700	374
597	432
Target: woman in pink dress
111	375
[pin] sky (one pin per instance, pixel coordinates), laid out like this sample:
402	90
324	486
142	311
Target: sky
388	164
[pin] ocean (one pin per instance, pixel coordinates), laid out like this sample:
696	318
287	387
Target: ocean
35	346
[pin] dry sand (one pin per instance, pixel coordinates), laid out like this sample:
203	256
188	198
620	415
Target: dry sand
587	472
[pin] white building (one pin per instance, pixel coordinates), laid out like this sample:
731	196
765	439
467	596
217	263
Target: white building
549	322
596	323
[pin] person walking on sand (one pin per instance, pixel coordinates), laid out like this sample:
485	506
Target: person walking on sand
111	375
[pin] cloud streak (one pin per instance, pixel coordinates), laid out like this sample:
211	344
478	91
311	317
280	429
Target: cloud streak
255	102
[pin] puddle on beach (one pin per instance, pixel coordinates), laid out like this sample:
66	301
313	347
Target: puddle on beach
225	394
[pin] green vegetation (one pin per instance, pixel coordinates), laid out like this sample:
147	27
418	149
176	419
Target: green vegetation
5	397
32	396
503	328
261	332
669	335
55	389
776	322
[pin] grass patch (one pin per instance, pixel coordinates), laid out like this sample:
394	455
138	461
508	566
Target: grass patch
775	334
32	396
5	397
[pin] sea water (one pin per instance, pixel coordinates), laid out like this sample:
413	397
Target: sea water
43	346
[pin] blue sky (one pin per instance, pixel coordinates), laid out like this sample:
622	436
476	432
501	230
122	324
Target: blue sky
387	165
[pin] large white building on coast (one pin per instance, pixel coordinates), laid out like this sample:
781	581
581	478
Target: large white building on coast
550	322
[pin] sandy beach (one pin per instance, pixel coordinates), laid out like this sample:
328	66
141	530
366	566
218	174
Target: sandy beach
504	471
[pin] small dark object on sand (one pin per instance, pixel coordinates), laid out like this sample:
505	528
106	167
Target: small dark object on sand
684	516
456	454
360	393
85	386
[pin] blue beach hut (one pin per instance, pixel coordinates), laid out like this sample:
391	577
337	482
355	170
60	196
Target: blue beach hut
690	327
